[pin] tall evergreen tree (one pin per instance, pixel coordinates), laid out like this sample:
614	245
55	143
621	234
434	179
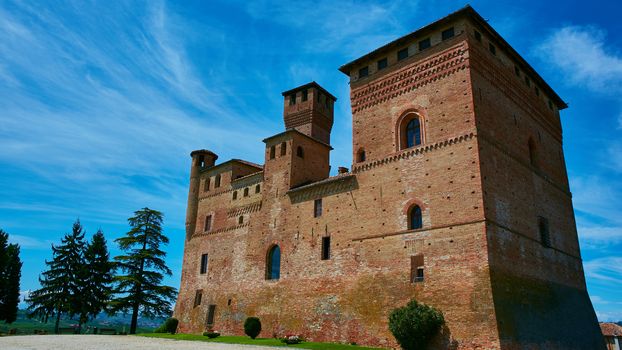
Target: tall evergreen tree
10	273
60	284
140	287
96	279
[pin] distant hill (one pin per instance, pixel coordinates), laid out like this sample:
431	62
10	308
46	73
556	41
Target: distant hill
120	322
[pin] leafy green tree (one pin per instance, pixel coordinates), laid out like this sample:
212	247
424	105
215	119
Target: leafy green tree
10	273
415	324
140	288
95	285
60	284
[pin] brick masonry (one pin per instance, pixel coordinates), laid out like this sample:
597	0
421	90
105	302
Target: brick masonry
480	186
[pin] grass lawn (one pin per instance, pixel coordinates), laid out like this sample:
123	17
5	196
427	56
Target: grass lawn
258	341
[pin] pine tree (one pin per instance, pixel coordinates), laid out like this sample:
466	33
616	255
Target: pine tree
96	279
60	284
140	288
10	273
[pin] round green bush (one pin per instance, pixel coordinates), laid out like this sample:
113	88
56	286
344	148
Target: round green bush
211	334
252	327
171	325
415	324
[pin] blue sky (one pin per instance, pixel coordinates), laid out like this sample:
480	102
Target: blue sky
102	102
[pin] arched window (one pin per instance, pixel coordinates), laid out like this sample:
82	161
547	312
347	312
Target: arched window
235	195
360	156
533	152
300	152
413	133
273	263
257	188
415	220
283	148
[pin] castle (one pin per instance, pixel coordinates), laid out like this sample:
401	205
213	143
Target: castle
457	196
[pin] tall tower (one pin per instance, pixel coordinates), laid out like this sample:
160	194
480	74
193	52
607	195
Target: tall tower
309	109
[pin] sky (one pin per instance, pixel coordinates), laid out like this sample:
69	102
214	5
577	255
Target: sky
101	103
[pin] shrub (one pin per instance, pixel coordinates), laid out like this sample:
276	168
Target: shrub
211	334
252	327
414	325
160	329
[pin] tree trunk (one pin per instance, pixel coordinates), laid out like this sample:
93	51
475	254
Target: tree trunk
134	318
57	321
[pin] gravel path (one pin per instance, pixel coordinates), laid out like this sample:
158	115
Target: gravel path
112	342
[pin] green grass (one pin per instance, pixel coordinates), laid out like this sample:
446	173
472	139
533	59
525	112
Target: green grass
259	341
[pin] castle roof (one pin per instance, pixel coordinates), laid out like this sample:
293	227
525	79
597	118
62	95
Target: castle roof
306	86
466	11
235	161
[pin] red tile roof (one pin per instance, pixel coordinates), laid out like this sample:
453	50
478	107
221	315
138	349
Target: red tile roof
611	329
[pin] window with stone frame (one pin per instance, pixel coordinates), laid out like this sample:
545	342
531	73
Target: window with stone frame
317	208
208	223
211	313
204	262
217	181
273	263
415	218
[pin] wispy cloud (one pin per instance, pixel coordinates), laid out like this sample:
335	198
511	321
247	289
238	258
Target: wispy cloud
582	56
608	269
28	242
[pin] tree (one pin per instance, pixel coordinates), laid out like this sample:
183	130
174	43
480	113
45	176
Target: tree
60	285
10	273
95	285
414	325
252	327
140	287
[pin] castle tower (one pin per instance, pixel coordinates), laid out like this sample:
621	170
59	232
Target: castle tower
309	109
201	160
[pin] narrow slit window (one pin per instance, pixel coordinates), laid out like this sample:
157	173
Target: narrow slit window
283	148
543	227
206	185
300	152
235	195
217	181
204	264
317	208
246	192
272	152
292	99
240	220
211	312
492	49
416	268
208	223
198	295
257	188
273	263
305	95
325	248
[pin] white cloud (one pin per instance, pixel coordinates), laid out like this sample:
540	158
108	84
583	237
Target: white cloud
600	235
26	242
607	269
581	54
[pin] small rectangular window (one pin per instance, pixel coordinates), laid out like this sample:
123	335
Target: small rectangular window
550	105
447	33
206	185
283	148
416	268
517	71
478	36
382	64
197	297
317	208
325	248
402	54
208	223
543	227
363	72
492	49
217	181
527	81
211	311
272	152
203	264
537	91
305	95
246	192
424	44
292	99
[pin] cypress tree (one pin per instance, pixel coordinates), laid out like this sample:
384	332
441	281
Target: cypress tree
60	284
10	273
96	279
140	287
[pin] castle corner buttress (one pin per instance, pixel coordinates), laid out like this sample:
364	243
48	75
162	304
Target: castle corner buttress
457	197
